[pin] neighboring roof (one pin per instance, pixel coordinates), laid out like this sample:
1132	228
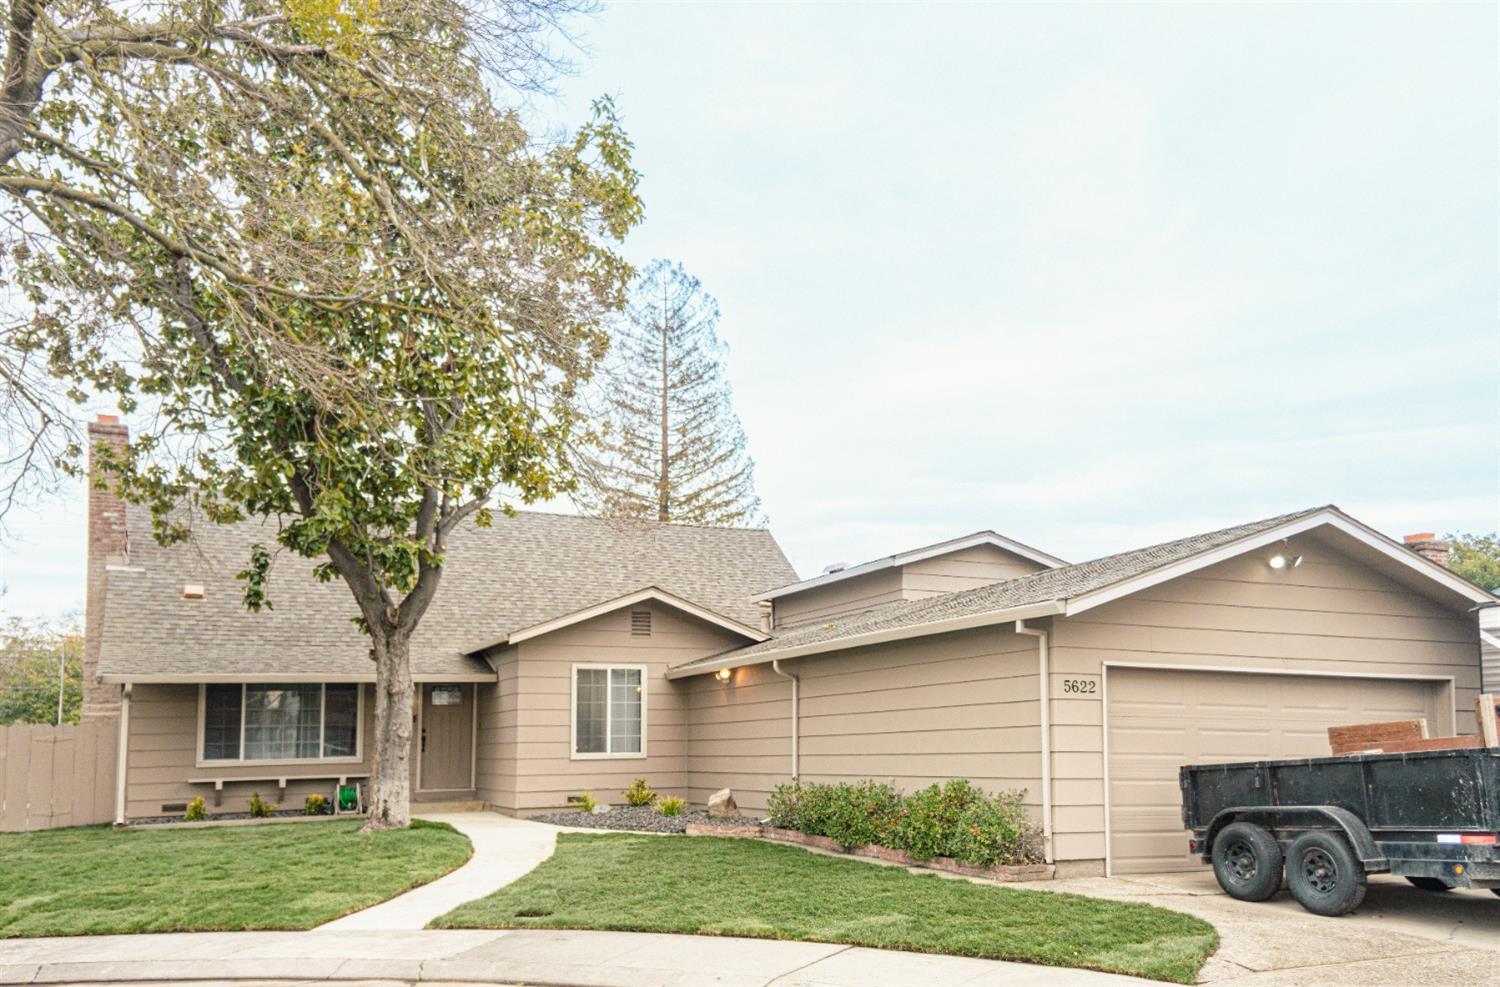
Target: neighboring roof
1067	590
523	571
650	593
917	555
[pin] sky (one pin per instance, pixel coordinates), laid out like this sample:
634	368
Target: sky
1090	276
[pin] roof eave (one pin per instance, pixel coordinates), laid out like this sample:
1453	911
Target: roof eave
194	678
915	555
967	622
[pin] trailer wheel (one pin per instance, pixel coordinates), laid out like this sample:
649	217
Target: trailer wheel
1324	875
1430	883
1247	862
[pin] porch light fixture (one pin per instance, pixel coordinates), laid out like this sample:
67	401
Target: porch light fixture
723	674
1283	561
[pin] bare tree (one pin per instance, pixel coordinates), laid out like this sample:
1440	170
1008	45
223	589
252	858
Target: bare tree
671	447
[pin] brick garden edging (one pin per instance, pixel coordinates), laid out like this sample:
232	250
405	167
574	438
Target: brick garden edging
754	831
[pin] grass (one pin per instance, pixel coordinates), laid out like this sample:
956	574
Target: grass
708	886
93	880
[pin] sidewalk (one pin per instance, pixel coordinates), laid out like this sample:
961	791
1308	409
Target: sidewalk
594	959
504	849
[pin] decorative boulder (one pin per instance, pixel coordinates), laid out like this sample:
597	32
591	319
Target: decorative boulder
721	805
600	809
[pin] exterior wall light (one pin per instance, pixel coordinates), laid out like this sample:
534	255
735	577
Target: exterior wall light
1282	561
723	674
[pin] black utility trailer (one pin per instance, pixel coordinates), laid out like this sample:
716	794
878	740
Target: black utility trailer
1432	817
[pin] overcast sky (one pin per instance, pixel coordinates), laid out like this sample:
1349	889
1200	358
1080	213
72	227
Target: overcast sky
1092	277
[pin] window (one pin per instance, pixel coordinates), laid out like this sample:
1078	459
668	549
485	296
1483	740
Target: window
609	711
294	722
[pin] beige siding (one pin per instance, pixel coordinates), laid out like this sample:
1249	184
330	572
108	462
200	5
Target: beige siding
1330	614
495	755
163	756
842	597
964	569
535	697
953	706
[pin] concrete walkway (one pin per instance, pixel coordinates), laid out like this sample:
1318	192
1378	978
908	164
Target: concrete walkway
595	959
504	849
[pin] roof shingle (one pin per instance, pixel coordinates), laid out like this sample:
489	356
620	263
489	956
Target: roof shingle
521	571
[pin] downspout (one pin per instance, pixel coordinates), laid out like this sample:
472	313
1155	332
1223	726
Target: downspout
796	683
122	756
1045	701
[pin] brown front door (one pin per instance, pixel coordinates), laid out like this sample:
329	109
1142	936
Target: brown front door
447	755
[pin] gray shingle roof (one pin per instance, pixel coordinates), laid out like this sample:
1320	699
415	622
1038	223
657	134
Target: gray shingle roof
523	570
1041	587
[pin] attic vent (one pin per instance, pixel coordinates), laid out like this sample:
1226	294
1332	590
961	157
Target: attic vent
192	591
640	623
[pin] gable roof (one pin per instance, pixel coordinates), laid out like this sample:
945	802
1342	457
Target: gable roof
649	593
1066	590
917	555
521	572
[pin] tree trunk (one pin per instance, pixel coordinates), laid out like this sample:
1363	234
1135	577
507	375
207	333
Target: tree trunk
390	768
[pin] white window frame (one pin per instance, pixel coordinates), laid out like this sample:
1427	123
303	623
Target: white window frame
359	729
577	755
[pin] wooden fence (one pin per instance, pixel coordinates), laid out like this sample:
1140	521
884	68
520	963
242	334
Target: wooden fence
57	776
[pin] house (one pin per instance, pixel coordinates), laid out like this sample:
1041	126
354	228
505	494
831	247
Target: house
566	654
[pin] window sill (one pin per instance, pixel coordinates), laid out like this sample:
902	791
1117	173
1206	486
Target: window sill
641	756
310	762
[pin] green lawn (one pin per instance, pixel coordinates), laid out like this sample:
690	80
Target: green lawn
710	886
289	876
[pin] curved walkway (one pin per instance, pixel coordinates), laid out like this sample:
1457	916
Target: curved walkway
504	849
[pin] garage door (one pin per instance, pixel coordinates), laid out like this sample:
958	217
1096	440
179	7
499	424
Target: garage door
1162	719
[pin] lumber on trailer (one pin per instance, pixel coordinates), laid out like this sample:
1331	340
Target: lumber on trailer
1357	737
1487	713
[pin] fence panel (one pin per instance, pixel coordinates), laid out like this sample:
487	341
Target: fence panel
53	776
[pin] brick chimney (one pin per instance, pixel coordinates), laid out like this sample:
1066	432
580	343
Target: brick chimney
108	545
1428	546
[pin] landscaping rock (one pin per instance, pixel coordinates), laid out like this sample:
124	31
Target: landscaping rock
721	805
642	819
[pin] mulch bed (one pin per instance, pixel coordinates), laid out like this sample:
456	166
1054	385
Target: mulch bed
641	819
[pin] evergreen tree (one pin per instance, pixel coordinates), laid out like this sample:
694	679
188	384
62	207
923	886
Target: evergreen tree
670	447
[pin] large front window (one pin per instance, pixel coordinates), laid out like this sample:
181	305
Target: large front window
293	722
609	717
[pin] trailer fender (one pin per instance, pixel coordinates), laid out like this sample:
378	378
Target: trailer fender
1301	818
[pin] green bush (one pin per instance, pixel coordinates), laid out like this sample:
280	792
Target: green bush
783	806
316	805
955	820
997	829
639	793
930	819
584	802
260	809
196	811
671	805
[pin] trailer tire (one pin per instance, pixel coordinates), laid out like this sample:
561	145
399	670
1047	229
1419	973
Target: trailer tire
1430	883
1324	875
1247	862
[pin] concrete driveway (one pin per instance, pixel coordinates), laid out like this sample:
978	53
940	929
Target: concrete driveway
1400	935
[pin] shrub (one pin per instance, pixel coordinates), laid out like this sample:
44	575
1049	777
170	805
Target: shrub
783	805
260	809
584	802
850	814
196	811
316	805
997	829
930	819
639	793
671	805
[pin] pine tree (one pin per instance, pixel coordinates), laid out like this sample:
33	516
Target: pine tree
670	446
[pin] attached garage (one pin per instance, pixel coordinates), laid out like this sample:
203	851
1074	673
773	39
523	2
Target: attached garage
1161	718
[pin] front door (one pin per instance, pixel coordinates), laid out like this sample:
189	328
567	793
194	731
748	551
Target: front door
447	738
